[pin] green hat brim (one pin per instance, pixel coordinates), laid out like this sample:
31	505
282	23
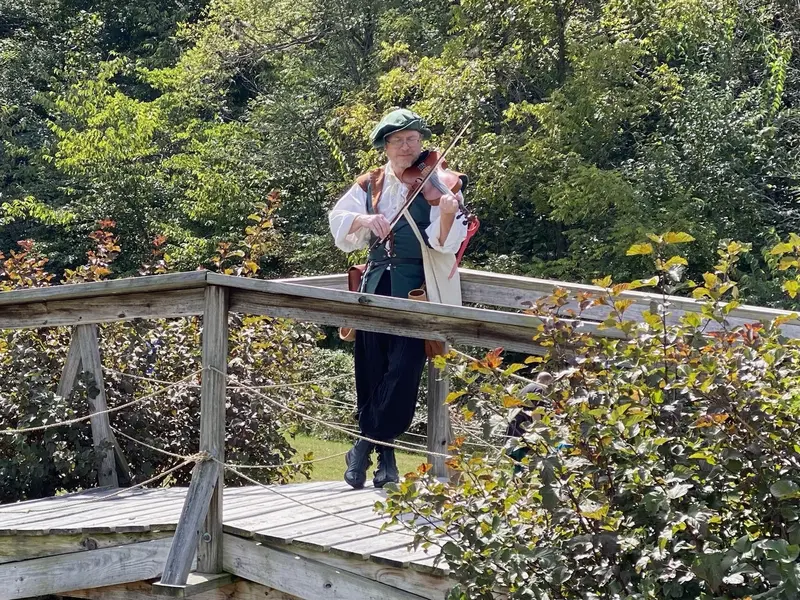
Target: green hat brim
398	120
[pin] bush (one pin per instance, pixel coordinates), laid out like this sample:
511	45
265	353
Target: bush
264	353
663	465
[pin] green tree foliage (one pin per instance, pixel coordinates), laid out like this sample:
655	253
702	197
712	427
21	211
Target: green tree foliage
594	122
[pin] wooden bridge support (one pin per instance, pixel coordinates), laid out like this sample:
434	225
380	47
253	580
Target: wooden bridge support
84	355
200	526
440	432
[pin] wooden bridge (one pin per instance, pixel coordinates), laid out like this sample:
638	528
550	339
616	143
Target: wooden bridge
309	541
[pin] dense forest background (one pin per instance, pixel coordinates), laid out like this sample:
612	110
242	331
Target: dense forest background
594	123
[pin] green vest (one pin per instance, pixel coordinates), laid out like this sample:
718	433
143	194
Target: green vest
407	272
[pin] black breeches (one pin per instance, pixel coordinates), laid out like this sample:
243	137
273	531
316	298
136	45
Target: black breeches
388	372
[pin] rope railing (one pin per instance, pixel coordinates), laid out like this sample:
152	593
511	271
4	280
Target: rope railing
12	431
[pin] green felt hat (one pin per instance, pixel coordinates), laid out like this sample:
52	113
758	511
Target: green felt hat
398	120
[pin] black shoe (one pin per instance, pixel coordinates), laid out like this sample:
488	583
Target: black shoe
357	459
387	468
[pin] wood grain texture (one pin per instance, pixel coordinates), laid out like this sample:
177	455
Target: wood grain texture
93	568
101	309
433	587
479	327
101	426
300	576
513	291
187	533
114	287
196	583
141	590
212	420
440	432
25	547
72	366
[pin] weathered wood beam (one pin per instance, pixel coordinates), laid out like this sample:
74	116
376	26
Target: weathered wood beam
78	570
196	583
456	324
114	287
24	547
212	420
307	579
337	281
72	366
100	309
184	545
141	590
440	432
514	291
368	317
432	587
101	426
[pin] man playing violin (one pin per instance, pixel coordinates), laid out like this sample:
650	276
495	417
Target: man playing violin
388	368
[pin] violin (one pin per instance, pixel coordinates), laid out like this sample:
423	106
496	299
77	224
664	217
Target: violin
425	171
435	182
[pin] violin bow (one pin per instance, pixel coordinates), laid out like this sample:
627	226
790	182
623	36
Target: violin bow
419	187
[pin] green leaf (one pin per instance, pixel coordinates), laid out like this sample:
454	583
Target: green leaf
675	260
791	287
549	497
604	282
677	238
692	319
781	249
638	283
710	280
787	262
785	488
639	249
453	396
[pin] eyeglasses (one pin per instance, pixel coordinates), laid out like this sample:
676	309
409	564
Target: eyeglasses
399	142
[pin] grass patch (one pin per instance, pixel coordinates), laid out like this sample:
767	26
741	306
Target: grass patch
333	469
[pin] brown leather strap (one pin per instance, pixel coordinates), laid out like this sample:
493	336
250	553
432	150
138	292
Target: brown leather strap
363	181
376	177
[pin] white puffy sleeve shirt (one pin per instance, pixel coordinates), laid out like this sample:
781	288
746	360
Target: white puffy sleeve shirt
354	203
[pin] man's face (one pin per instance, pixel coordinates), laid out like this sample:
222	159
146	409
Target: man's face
403	148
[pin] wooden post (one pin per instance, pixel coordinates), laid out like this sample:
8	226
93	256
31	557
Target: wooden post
200	525
71	367
101	426
212	420
69	375
440	434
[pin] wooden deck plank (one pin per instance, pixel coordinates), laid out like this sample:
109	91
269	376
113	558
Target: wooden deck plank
342	540
286	511
421	559
274	503
306	523
28	506
74	514
304	517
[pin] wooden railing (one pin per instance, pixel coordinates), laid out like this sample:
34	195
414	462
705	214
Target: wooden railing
321	300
